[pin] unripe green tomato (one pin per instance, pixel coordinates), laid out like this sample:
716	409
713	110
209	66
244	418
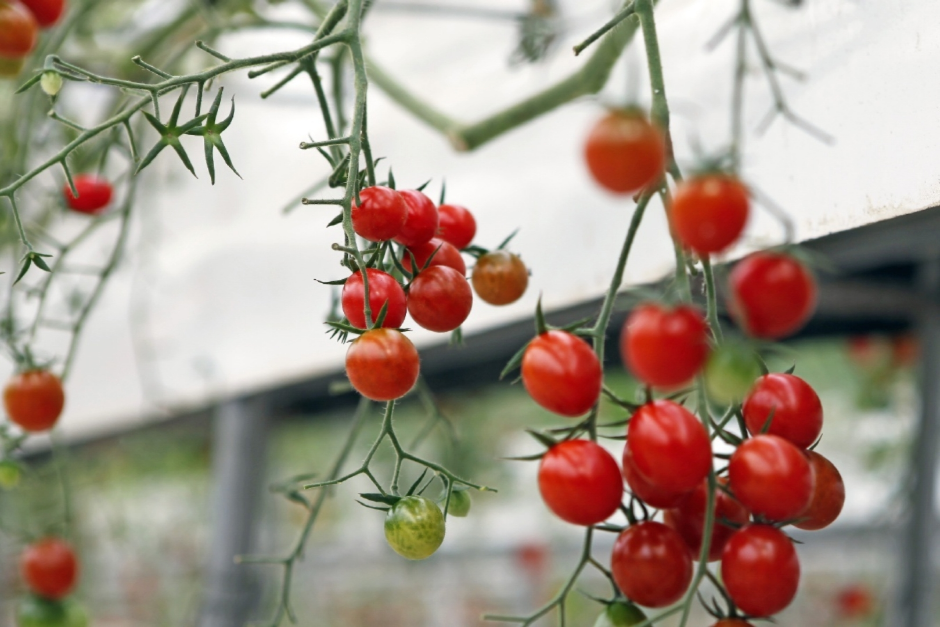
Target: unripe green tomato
35	611
730	372
76	615
620	615
10	474
459	503
51	82
414	527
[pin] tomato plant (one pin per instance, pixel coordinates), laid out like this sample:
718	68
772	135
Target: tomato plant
624	152
17	30
34	399
94	194
792	406
380	214
46	12
500	278
49	567
383	288
439	299
414	527
651	564
420	221
445	254
456	225
669	446
664	347
708	212
828	497
760	570
619	614
688	518
382	364
561	373
771	295
580	482
771	477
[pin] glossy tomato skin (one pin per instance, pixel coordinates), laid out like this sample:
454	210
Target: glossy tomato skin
446	255
381	214
561	373
382	364
771	477
18	30
625	153
669	446
383	288
688	518
664	347
421	221
760	570
439	299
828	497
94	194
651	564
708	213
644	490
34	399
771	295
46	12
49	567
456	225
797	410
580	482
500	278
414	527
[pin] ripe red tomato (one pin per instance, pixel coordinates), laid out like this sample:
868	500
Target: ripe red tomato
46	12
772	295
49	567
447	255
709	212
439	299
664	347
855	601
17	30
669	445
624	152
382	288
828	497
644	490
381	214
651	564
421	221
732	622
561	373
797	411
760	569
94	194
771	477
382	364
34	399
688	518
500	278
580	482
455	224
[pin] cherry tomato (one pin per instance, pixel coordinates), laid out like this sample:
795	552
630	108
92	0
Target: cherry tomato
34	399
414	527
580	482
17	30
94	194
446	255
439	299
382	364
669	445
456	225
561	373
459	503
35	611
760	570
421	221
49	567
620	614
46	12
797	411
383	288
730	372
381	214
644	490
500	278
664	347
854	601
771	477
624	152
828	497
772	295
651	564
709	212
11	68
688	518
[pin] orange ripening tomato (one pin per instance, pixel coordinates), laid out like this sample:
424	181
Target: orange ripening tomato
624	152
34	399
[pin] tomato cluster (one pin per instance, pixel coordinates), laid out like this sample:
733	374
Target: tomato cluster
20	21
